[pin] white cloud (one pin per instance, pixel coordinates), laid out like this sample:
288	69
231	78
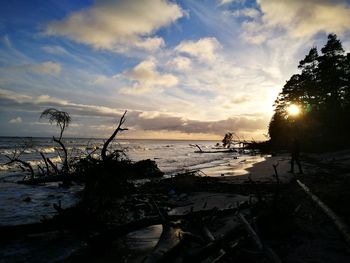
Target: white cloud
299	18
16	120
254	32
17	101
145	77
46	99
181	63
14	96
204	49
118	25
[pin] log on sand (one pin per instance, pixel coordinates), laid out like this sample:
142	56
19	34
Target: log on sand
338	222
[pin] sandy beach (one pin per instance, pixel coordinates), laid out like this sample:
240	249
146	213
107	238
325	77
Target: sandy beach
256	168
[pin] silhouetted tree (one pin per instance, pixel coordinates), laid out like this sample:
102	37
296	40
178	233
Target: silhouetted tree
62	119
321	89
227	140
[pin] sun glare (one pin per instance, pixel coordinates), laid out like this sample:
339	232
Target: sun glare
293	110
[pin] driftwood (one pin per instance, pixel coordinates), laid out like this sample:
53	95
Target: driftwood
257	241
46	164
168	242
222	151
217	244
196	145
54	167
106	237
21	163
251	232
337	221
110	139
207	234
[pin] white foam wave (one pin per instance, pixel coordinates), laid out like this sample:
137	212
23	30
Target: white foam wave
5	167
47	149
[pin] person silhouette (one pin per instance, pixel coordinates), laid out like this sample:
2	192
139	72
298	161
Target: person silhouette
295	156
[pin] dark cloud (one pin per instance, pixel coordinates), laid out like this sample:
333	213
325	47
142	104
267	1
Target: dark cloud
137	120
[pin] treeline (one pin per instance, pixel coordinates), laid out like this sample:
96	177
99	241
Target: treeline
322	92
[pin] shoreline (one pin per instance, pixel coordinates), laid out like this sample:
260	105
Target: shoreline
258	169
289	224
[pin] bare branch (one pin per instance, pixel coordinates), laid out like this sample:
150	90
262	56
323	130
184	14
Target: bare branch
110	139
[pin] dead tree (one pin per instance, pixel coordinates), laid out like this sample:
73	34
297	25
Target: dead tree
110	139
15	158
46	163
62	119
227	140
196	145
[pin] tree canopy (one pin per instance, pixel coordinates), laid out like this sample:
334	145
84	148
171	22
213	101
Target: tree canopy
61	118
322	92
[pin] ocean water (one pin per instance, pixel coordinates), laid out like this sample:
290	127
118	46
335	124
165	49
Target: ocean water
21	204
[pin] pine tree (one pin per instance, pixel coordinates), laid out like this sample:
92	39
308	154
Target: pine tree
322	90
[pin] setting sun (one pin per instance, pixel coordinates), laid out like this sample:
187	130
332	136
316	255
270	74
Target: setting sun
293	110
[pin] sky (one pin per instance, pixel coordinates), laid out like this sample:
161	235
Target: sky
186	69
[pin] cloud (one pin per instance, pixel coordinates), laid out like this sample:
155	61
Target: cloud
16	120
145	77
181	63
48	67
6	41
203	49
21	102
56	50
245	12
166	122
225	2
118	25
298	18
136	119
14	96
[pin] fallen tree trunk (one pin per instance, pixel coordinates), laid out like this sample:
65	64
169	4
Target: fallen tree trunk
217	245
338	222
251	232
258	242
222	151
113	233
21	162
168	242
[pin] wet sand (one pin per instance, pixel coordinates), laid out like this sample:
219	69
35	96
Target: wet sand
257	168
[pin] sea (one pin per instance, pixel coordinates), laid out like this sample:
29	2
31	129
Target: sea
22	204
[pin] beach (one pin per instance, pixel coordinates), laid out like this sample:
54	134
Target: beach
289	223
